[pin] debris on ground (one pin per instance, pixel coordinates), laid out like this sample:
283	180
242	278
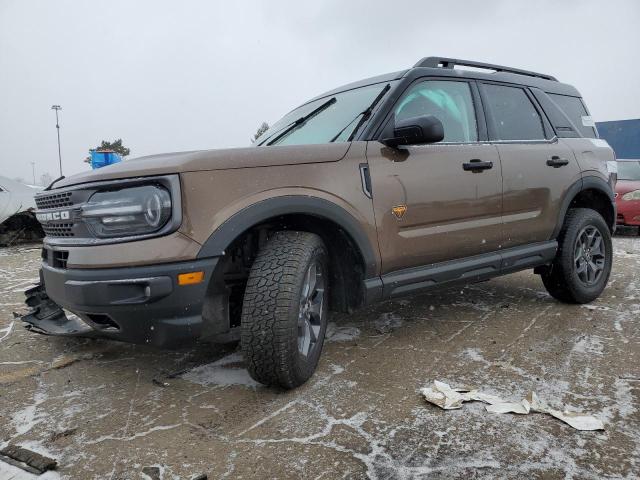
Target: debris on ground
159	383
448	398
152	473
27	460
63	434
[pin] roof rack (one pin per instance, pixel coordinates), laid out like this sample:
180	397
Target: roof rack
442	62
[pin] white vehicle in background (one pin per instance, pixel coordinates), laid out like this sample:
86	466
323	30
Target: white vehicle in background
17	204
15	197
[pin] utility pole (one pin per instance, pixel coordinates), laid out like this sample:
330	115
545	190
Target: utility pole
56	108
33	169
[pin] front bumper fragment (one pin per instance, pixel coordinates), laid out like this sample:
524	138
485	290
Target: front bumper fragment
47	317
137	304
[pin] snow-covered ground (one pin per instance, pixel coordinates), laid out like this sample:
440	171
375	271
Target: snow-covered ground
108	410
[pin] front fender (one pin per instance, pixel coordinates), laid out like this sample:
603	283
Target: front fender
273	207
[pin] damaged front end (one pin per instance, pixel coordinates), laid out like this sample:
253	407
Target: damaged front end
48	318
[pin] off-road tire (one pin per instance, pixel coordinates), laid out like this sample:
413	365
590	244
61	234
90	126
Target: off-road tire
562	280
271	309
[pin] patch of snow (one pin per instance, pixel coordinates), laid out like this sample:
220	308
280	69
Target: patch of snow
4	332
9	472
588	345
27	418
387	322
341	334
602	308
225	371
475	355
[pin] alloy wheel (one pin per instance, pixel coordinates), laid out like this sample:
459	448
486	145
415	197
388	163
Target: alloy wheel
589	255
311	309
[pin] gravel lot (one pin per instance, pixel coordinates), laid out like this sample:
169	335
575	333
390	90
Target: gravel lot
108	410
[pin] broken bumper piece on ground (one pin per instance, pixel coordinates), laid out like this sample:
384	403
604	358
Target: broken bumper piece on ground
447	398
27	460
48	318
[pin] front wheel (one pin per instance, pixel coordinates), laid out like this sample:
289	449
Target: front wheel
284	312
582	265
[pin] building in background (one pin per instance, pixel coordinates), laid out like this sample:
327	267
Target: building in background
623	136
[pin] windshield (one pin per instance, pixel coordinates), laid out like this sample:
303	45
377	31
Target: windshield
629	171
334	120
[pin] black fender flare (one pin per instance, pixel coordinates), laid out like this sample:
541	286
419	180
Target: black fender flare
590	182
261	211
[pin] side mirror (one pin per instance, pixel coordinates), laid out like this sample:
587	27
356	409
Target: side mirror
415	131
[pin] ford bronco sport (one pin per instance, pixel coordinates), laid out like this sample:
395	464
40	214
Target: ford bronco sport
385	187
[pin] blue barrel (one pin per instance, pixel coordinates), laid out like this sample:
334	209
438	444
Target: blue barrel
101	159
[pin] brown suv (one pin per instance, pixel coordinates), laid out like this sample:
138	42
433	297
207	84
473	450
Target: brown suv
388	186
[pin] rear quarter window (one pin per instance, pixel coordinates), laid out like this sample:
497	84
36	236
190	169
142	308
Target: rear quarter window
577	113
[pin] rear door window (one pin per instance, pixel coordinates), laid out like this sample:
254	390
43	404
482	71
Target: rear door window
577	113
514	116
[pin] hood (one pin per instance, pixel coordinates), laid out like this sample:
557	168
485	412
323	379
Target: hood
205	160
626	186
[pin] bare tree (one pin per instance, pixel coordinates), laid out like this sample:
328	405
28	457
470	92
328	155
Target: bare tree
46	179
261	129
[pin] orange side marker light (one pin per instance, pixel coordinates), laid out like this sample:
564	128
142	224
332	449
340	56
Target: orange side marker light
190	278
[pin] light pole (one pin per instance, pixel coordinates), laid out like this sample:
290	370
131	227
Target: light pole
33	169
56	108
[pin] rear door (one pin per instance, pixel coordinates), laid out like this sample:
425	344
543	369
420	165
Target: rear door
537	167
428	207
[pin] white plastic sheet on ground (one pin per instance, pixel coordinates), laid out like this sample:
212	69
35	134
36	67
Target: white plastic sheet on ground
447	398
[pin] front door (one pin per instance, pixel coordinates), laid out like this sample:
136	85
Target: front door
430	204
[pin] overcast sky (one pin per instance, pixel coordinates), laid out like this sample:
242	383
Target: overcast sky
187	75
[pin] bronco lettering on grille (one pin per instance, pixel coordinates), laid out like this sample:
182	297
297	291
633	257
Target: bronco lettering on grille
53	216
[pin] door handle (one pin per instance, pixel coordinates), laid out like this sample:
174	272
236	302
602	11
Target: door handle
476	165
557	162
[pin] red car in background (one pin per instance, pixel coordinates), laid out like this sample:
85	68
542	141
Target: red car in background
628	193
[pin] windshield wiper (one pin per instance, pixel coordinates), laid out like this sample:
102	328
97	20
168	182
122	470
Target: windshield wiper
302	120
365	115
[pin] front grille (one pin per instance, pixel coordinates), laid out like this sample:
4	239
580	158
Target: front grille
58	229
55	200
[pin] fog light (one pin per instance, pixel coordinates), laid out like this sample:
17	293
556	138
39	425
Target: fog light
190	278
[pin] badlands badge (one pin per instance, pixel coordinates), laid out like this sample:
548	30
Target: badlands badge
399	211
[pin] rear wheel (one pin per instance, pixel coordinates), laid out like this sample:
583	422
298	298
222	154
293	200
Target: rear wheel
582	265
284	312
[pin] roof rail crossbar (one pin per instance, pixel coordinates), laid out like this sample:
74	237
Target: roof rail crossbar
442	62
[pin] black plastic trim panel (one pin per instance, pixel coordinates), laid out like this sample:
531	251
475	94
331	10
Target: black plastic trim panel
465	270
259	212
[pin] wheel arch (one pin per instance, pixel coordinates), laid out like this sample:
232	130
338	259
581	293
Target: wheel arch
352	257
589	192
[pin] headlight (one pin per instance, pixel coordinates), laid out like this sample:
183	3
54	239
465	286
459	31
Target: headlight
128	211
635	195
